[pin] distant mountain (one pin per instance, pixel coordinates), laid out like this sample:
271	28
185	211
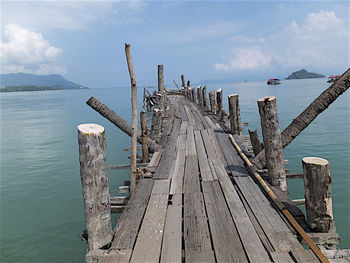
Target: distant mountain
53	81
304	74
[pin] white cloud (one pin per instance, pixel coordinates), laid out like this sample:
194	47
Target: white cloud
246	59
28	51
320	42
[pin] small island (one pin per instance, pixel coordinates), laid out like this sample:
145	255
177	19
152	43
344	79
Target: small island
304	74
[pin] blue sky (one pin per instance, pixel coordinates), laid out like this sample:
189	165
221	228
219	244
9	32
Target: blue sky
240	40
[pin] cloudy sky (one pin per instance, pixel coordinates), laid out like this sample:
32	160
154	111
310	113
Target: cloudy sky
253	40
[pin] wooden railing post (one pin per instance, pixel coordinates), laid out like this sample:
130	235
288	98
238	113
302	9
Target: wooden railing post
94	180
219	101
318	194
254	139
212	101
183	81
188	89
161	88
144	136
272	141
235	115
205	98
194	97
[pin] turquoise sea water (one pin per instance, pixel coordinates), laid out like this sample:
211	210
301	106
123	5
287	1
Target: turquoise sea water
41	203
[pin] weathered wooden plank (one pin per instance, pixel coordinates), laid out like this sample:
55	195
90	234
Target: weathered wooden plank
300	255
190	143
178	175
171	247
227	244
274	227
129	223
182	111
209	146
154	161
198	125
199	256
115	255
234	161
281	257
210	122
191	120
250	239
149	240
201	116
183	127
166	130
196	231
202	158
181	142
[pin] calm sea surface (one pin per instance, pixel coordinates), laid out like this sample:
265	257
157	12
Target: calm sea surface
41	203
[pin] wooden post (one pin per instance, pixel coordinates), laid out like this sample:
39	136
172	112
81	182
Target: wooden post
156	125
194	97
183	81
272	141
188	89
219	101
223	114
205	98
161	88
94	180
254	139
134	119
212	101
235	115
144	136
318	194
200	95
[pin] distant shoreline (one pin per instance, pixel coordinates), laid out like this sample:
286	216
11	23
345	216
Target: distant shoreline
33	88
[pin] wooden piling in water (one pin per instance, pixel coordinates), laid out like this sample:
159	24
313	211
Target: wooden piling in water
235	115
212	101
134	119
194	95
205	98
183	81
318	194
94	180
254	139
219	101
200	95
272	141
161	88
144	136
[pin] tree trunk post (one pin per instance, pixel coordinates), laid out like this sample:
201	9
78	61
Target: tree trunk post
144	136
205	98
212	101
235	115
219	101
134	120
254	139
94	180
183	81
200	95
318	194
272	141
156	125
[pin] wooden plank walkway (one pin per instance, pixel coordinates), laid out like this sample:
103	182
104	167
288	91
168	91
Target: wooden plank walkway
201	205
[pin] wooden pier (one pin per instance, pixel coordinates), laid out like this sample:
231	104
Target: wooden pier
199	198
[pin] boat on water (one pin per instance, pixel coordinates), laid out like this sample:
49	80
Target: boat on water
333	78
273	82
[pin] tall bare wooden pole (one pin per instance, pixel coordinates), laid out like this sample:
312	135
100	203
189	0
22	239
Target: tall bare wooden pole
212	101
205	98
254	139
134	119
94	180
161	88
272	141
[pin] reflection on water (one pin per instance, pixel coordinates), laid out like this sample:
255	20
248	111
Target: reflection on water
40	190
